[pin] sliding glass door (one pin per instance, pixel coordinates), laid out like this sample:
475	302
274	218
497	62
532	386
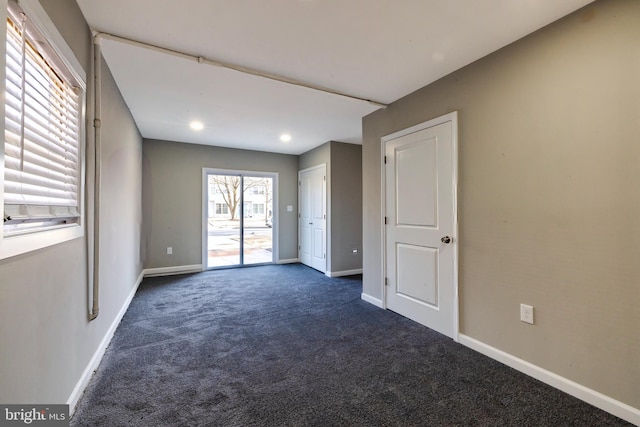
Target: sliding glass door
257	227
239	219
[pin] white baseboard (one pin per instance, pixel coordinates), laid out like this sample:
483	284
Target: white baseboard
288	261
343	273
371	300
93	364
170	271
597	399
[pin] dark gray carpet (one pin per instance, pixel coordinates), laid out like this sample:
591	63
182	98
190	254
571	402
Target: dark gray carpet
288	346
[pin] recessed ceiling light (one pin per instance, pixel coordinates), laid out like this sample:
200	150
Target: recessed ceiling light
196	125
285	137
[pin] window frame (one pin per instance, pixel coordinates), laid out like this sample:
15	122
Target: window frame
34	239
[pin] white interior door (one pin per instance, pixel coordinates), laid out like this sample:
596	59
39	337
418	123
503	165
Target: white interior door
420	233
312	223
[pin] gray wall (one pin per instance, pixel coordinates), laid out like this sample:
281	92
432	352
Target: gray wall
344	201
549	155
346	206
47	341
315	157
172	191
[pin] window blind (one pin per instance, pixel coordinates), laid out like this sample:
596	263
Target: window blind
41	168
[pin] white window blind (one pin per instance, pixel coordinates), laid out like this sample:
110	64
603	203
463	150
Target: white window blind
42	129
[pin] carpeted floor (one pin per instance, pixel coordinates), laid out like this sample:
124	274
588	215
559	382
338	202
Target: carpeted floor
288	346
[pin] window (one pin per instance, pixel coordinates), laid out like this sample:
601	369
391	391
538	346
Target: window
258	190
222	209
258	208
43	134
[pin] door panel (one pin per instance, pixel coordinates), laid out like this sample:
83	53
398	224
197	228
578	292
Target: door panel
312	218
417	273
419	204
305	244
223	224
257	236
416	183
318	243
305	221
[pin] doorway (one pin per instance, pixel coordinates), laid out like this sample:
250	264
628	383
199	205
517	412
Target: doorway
420	230
312	217
239	218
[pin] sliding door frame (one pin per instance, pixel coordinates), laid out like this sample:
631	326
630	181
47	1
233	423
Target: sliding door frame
205	201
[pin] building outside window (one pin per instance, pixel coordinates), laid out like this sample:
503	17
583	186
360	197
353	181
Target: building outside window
222	209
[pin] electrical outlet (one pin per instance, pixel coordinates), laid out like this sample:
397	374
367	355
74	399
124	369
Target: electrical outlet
526	313
169	250
354	251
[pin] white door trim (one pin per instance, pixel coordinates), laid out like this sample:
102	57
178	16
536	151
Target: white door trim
453	118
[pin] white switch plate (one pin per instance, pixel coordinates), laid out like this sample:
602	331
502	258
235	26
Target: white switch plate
526	313
289	208
169	250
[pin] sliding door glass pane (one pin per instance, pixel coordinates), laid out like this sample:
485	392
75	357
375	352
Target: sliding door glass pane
223	222
258	220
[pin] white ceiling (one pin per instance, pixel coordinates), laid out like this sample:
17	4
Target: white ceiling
374	49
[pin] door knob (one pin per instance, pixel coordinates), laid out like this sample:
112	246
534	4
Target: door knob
446	239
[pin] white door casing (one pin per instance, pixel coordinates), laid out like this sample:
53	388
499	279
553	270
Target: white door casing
421	225
312	220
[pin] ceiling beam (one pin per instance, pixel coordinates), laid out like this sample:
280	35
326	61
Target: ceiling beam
239	68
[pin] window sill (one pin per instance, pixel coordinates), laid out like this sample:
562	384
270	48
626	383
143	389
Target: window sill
11	246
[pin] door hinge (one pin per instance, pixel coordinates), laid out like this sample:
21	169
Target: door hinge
299	215
386	281
299	183
385	220
385	160
324	216
324	178
324	255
